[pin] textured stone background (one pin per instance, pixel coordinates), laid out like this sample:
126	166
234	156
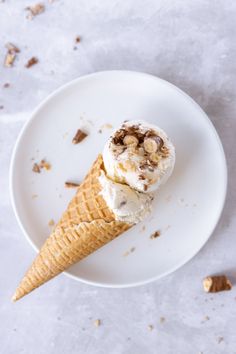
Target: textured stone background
190	43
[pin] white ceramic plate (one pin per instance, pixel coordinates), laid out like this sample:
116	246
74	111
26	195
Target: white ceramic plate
187	207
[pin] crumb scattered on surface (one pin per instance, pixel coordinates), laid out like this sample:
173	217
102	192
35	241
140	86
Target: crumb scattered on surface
1	107
143	228
105	126
10	57
35	10
78	39
34	196
71	185
168	198
162	319
132	249
51	222
44	164
32	61
220	339
79	136
97	323
36	168
150	327
213	284
6	85
155	234
167	227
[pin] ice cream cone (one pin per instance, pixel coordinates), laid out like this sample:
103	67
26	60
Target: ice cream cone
86	225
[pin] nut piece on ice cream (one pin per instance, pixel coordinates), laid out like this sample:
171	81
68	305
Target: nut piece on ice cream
140	155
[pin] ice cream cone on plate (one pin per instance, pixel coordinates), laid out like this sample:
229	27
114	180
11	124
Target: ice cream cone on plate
86	225
114	196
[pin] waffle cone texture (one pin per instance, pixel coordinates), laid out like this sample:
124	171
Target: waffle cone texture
86	225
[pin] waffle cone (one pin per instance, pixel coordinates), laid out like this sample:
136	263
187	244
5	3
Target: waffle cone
85	226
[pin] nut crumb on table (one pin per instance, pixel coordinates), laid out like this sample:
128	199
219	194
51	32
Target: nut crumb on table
213	284
34	10
32	61
162	319
10	57
97	323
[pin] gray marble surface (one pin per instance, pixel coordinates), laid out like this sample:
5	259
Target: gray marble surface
191	44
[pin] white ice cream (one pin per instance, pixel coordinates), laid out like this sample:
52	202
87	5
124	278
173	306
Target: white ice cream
127	204
144	161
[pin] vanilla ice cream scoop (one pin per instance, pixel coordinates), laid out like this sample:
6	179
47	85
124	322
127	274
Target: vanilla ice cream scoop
140	155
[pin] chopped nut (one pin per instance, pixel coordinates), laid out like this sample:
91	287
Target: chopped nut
130	140
77	39
51	222
79	136
36	168
9	59
11	48
32	61
155	234
132	249
220	339
45	165
150	327
129	165
150	145
6	85
154	157
35	10
107	126
97	323
216	283
71	185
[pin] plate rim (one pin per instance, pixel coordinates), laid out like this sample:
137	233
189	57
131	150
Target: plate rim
117	72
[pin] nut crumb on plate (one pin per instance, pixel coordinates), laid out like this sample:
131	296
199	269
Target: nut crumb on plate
36	168
51	222
44	164
220	339
215	284
155	234
131	250
6	85
79	136
78	39
71	185
150	327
